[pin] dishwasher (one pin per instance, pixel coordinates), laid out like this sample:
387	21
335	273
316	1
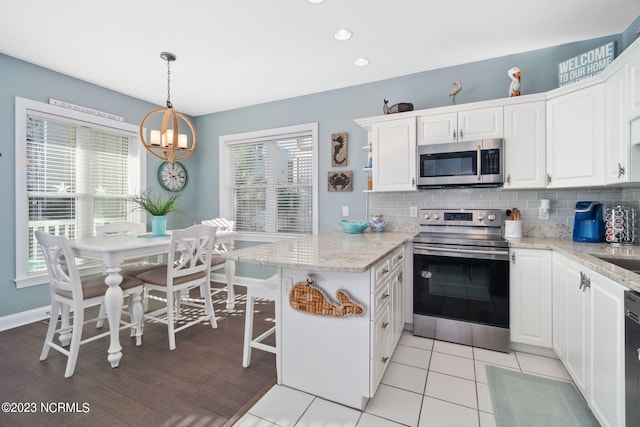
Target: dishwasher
632	357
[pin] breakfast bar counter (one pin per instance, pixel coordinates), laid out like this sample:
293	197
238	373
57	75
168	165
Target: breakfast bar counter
339	310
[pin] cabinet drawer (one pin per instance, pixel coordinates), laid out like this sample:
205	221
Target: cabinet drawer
380	329
380	298
397	258
378	365
381	273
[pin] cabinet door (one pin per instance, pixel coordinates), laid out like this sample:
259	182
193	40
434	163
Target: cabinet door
606	350
633	69
559	303
575	134
617	168
437	128
530	297
524	133
484	123
577	327
394	155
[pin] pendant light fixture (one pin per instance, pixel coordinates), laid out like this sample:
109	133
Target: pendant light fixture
168	144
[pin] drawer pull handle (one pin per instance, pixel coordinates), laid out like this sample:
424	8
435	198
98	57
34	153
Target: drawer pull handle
384	325
385	359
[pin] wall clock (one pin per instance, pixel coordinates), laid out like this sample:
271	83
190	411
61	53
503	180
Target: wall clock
172	176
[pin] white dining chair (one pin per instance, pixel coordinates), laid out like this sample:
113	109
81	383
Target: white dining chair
132	267
267	289
218	262
71	293
188	267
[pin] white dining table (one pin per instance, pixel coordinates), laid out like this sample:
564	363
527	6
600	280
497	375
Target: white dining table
113	251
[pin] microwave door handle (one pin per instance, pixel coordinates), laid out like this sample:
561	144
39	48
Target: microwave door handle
479	162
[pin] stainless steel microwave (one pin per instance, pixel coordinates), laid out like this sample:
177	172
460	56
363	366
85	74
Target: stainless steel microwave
468	163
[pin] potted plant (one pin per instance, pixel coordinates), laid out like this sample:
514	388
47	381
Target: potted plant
158	207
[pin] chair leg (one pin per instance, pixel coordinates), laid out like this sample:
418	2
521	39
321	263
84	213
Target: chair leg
101	316
51	330
170	325
76	337
208	306
136	314
248	331
65	327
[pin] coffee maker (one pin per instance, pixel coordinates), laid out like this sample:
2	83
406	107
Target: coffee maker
588	223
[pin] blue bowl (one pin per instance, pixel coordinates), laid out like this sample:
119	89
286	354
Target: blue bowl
354	227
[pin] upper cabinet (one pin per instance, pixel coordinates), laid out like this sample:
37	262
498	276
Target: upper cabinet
470	125
394	155
575	138
524	139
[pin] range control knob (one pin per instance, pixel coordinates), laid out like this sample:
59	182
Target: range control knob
436	216
480	217
491	217
427	216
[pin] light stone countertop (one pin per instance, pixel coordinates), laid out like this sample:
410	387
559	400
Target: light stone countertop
583	253
333	251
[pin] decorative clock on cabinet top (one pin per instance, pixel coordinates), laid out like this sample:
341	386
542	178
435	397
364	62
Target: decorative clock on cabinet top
172	176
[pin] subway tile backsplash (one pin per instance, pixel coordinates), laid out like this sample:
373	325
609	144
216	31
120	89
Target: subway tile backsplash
396	206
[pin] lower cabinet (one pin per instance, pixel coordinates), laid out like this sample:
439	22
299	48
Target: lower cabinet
588	334
530	296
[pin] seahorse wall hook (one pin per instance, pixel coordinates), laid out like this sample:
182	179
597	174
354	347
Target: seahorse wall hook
309	298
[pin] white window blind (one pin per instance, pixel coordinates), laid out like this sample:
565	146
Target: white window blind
77	175
270	183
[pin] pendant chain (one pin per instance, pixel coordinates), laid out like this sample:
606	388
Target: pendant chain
169	85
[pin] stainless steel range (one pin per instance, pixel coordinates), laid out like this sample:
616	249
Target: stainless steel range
461	278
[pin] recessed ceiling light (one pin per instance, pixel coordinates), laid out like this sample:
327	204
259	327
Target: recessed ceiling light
315	1
343	34
362	62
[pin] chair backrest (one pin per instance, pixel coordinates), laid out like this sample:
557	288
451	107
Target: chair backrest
121	227
61	264
220	223
191	251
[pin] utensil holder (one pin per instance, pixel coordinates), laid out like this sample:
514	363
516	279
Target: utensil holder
513	228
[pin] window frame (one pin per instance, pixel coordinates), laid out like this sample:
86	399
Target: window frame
225	196
23	107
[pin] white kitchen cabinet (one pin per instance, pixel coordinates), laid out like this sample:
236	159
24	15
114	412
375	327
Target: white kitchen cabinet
394	155
588	323
524	140
575	135
397	294
530	296
633	88
617	128
470	125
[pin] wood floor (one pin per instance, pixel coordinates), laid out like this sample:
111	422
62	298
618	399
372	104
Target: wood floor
200	383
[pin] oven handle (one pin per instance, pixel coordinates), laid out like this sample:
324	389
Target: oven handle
439	250
479	161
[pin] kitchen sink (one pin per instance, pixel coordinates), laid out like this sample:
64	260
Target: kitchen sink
628	264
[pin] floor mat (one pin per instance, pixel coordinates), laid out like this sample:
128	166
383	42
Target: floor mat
528	400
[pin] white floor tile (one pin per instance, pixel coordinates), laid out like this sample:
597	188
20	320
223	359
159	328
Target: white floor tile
407	338
496	357
487	420
455	349
481	371
438	413
322	413
452	389
405	377
452	365
542	365
282	405
368	420
249	420
411	356
396	405
484	398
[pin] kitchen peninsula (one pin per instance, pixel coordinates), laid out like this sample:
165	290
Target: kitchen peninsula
342	355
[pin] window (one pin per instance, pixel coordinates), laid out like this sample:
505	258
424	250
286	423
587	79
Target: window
73	171
268	180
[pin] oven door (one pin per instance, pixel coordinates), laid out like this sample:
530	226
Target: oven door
469	286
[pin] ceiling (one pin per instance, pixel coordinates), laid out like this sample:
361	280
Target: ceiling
235	53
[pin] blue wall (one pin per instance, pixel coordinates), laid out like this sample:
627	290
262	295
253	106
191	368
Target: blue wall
335	111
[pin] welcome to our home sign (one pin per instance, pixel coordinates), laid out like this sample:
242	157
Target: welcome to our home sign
586	64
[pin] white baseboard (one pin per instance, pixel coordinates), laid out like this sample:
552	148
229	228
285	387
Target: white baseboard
24	318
